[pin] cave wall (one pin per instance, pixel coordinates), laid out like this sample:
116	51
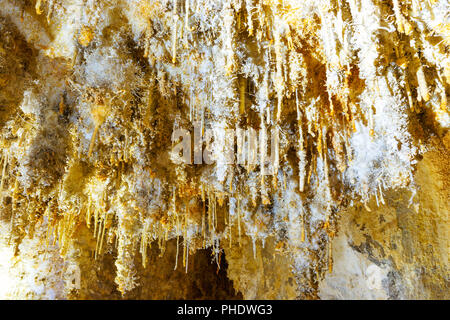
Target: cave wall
397	250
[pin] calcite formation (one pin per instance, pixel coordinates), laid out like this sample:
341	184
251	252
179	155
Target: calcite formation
338	181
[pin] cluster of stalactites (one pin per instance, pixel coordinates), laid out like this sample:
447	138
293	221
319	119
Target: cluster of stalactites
311	80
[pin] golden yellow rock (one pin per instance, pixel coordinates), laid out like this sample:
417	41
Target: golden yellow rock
86	35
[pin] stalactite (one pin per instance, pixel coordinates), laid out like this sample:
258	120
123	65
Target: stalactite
99	113
381	194
423	88
249	7
174	31
263	151
398	16
254	247
50	10
185	240
303	227
276	155
186	21
214	211
228	19
301	151
38	7
96	220
252	145
5	164
230	227
312	165
279	86
204	223
176	255
103	235
187	256
88	213
330	256
239	220
97	237
242	92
